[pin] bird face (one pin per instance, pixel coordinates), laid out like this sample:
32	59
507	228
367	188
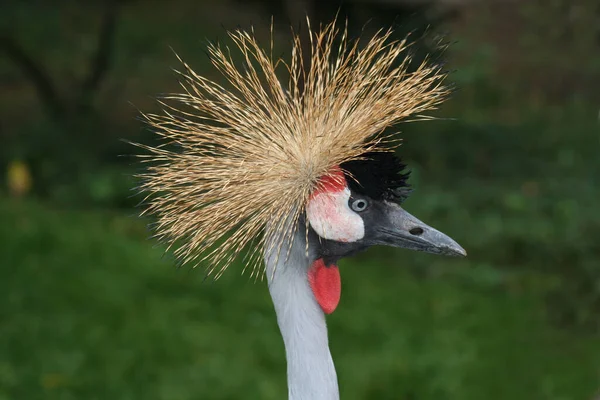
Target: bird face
360	207
357	206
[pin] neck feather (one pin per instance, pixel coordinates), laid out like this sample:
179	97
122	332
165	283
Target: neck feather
310	370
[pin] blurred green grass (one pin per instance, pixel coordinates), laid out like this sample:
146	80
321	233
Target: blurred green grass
91	311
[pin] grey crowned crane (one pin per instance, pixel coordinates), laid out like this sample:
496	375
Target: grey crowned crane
297	179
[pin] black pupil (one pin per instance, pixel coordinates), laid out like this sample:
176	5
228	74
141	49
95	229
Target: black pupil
360	204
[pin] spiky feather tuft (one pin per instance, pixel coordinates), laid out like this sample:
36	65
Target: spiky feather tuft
250	156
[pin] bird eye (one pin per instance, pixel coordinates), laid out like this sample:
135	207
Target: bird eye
359	205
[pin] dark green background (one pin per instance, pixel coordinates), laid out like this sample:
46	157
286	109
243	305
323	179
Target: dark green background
89	308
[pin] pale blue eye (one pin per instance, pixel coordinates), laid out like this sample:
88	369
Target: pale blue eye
359	205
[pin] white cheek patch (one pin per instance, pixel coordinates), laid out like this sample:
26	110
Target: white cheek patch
330	216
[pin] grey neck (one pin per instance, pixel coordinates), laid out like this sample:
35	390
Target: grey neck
310	370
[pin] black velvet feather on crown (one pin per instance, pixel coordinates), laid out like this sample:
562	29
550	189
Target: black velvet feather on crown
379	175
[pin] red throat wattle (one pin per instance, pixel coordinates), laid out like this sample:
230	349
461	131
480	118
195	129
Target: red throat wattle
326	285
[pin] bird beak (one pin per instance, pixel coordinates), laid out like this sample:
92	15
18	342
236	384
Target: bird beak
403	230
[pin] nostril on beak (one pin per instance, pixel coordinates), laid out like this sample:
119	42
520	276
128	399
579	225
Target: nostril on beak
416	231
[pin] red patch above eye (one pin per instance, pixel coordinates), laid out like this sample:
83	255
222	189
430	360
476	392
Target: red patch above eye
332	182
326	285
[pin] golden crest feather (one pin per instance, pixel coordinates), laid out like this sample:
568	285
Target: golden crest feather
249	157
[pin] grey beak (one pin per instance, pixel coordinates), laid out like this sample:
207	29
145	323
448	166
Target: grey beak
404	230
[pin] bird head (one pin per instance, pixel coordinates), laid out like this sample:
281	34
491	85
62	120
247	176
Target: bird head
313	147
356	206
359	205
